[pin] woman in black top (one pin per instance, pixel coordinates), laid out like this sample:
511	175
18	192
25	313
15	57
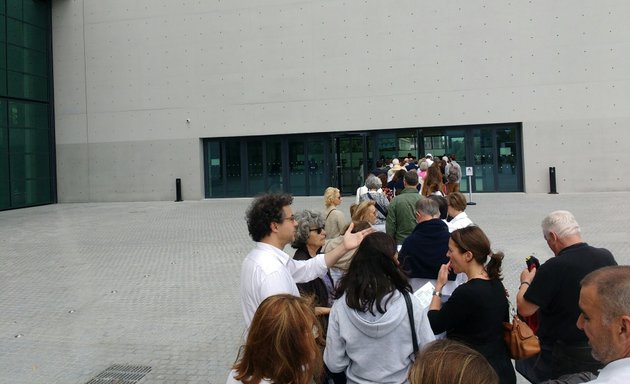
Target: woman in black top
475	312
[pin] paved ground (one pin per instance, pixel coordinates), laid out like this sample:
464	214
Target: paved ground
86	286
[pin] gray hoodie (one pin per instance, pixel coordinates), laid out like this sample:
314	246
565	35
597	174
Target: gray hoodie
374	348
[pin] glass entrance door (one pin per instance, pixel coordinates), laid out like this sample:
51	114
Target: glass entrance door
496	159
349	163
455	144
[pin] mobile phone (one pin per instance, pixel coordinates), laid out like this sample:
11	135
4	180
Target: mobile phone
532	262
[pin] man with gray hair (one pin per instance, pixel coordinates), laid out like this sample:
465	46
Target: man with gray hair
553	291
424	251
605	318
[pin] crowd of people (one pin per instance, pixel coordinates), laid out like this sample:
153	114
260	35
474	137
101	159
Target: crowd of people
343	309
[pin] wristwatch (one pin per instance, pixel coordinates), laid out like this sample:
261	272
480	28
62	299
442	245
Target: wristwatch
437	293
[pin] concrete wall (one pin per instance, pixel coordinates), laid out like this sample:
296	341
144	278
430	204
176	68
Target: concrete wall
129	74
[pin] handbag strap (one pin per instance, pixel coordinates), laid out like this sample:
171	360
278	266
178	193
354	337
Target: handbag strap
334	209
377	205
414	337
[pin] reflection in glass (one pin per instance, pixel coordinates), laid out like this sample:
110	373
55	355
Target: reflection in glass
297	167
274	166
256	177
233	169
316	167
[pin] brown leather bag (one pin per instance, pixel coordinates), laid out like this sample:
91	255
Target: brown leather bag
520	340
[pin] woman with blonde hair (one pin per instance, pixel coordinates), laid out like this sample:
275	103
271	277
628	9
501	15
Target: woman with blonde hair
283	344
446	361
365	211
333	217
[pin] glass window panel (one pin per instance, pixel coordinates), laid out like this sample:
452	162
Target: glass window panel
387	146
483	151
255	171
233	169
316	167
297	167
275	182
3	58
215	184
349	159
29	165
14	9
5	194
36	12
28	115
3	29
27	86
27	61
15	32
29	140
3	83
27	192
25	35
507	160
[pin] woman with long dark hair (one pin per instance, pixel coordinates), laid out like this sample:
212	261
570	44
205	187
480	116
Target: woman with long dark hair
369	331
476	310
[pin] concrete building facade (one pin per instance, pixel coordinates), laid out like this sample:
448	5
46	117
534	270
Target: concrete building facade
143	89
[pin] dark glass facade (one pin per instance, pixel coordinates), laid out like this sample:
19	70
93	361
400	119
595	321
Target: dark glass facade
305	164
26	132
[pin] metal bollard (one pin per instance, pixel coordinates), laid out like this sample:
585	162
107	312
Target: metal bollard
552	181
178	190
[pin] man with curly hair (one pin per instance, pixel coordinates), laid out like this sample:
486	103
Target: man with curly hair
267	270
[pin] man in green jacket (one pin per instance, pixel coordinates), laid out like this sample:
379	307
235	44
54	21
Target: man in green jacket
401	216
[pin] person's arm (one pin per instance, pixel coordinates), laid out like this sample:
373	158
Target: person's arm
335	355
350	241
442	278
320	311
390	221
456	311
525	308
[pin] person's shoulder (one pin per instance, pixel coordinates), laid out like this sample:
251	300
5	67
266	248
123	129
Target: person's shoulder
301	254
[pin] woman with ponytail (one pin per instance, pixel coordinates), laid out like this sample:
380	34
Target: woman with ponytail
369	330
475	312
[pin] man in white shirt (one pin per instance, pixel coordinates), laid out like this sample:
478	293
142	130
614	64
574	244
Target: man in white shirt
605	318
267	270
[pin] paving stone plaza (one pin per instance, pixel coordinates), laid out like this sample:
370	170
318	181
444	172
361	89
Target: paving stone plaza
84	287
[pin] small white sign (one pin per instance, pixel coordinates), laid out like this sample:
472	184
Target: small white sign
469	171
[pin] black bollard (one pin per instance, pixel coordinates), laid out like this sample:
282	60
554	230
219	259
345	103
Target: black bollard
178	190
552	181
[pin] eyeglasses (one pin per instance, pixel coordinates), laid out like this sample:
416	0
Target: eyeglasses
319	230
290	218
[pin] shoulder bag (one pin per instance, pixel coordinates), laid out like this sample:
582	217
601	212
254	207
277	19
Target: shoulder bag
382	210
519	338
414	337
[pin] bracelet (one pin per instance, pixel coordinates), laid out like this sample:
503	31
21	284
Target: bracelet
437	293
523	282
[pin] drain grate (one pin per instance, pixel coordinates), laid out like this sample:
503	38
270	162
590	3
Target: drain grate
121	374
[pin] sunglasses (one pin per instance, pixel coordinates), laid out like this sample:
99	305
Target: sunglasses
319	230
